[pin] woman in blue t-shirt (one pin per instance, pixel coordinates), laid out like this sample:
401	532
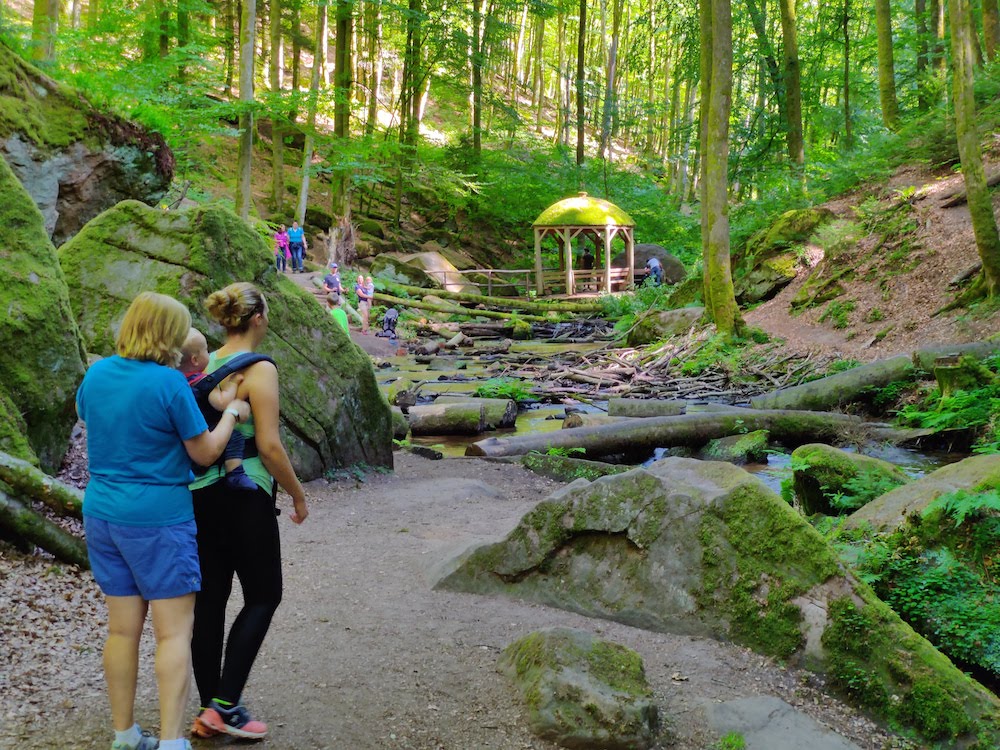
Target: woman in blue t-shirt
143	430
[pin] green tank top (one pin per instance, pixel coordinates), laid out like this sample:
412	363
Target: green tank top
253	466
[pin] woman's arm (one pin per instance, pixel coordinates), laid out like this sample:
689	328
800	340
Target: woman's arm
205	448
260	386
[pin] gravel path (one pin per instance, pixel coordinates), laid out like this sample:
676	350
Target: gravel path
363	653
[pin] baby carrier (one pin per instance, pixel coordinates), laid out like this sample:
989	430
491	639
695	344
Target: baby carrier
204	385
389	324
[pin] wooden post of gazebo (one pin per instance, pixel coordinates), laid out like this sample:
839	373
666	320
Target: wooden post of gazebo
539	284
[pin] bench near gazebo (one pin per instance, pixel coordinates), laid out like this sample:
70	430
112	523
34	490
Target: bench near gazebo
589	218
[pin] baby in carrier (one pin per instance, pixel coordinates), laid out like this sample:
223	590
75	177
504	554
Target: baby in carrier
212	404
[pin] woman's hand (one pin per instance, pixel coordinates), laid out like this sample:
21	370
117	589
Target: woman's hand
242	407
299	512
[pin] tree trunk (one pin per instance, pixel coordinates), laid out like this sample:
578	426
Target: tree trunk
229	40
537	305
579	419
991	28
581	79
25	480
717	86
26	524
248	30
501	413
277	128
848	132
44	26
447	419
793	85
767	53
375	60
307	148
477	79
421	305
343	70
984	224
610	90
886	65
640	436
539	85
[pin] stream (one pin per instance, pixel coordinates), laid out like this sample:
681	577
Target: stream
458	374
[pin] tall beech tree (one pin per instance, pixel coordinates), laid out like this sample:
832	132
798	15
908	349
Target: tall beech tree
886	65
244	161
716	92
793	85
984	224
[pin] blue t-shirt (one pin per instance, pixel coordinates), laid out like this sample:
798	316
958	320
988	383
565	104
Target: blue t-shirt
296	234
138	414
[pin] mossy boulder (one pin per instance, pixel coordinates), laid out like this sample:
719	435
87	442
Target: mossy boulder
582	692
392	267
704	548
567	468
372	228
73	160
442	271
43	355
890	511
739	449
332	412
766	278
829	480
688	292
656	325
791	228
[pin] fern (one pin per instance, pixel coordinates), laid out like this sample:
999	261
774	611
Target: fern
960	505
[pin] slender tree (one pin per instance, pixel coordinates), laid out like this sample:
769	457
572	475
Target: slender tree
793	85
984	225
343	78
886	65
716	92
309	146
248	27
991	28
44	26
477	79
581	79
611	79
374	8
848	131
277	130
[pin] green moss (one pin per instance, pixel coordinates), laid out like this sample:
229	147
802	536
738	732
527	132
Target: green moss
934	713
619	667
791	228
566	468
583	211
43	360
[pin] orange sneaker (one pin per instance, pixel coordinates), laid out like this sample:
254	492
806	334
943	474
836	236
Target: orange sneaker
201	729
235	721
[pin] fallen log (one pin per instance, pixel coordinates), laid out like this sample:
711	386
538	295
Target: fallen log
459	339
959	197
645	407
643	435
581	419
25	480
447	419
25	523
421	305
838	389
501	413
513	303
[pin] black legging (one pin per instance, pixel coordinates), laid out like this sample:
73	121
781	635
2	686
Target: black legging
237	533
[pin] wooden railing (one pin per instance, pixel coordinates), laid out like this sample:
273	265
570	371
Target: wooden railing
523	279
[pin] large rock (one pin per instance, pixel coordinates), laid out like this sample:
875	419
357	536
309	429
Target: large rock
769	262
889	512
656	325
582	692
829	480
43	357
392	267
673	270
332	411
73	160
442	271
704	548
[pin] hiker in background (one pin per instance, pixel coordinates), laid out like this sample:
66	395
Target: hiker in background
337	312
331	282
370	294
389	321
282	253
194	358
587	264
143	431
297	244
364	302
238	531
654	271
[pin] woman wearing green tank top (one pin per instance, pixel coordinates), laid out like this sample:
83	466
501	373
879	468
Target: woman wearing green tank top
238	531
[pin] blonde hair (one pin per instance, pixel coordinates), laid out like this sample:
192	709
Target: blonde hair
234	305
154	329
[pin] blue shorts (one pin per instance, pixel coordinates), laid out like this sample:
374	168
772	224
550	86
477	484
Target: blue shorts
154	562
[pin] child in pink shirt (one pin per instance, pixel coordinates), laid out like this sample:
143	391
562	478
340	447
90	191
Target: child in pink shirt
282	252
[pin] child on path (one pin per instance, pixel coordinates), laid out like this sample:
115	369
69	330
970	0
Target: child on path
194	359
282	253
337	312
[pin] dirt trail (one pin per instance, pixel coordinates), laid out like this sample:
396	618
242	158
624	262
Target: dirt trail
363	654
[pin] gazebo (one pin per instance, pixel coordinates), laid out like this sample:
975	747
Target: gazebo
583	215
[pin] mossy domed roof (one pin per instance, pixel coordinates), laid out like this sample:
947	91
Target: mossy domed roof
583	211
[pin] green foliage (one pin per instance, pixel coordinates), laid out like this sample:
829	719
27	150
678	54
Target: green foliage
961	505
839	312
842	365
555	450
731	741
730	354
861	490
963	409
511	388
625	306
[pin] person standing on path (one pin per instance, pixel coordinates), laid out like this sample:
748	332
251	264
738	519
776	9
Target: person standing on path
331	282
143	430
297	244
364	302
238	531
282	251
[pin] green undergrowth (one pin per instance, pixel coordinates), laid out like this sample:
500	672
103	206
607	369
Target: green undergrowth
511	388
